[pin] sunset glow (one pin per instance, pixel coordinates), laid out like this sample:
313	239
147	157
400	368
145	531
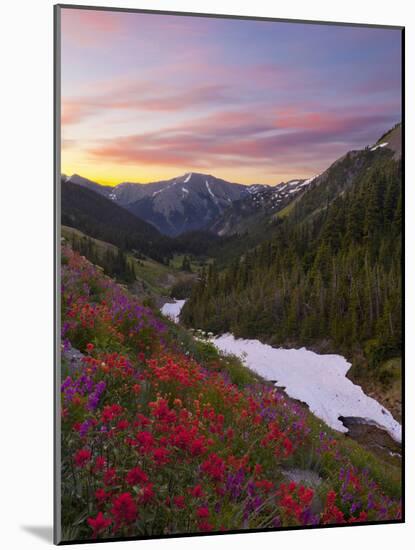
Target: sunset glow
148	97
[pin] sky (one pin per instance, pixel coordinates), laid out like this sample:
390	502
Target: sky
148	97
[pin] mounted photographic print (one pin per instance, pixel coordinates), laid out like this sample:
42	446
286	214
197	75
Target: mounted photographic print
228	274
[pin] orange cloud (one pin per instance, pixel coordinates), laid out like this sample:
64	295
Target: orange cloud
241	141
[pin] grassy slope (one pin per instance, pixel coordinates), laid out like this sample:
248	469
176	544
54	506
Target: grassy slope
340	451
154	279
386	387
289	208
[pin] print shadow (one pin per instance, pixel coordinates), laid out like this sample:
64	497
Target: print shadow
43	532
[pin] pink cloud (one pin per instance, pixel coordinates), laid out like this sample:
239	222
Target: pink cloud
137	96
89	27
73	112
230	140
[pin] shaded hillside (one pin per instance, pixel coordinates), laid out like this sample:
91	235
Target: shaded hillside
99	217
392	140
330	272
256	208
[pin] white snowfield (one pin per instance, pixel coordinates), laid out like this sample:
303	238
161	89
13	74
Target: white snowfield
172	311
318	380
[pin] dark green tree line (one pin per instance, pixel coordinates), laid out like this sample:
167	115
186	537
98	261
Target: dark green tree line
328	273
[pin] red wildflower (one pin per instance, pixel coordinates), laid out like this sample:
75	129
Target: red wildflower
146	494
305	495
110	476
288	446
143	420
331	513
90	347
331	498
101	496
292	486
179	502
197	446
214	467
363	516
202	512
136	388
258	469
145	441
99	463
136	476
110	412
98	524
197	491
229	434
82	457
122	425
124	509
205	526
264	484
161	456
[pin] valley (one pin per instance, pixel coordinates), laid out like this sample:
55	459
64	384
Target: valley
260	233
295	287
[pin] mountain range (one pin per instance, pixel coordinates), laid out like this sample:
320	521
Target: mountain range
195	201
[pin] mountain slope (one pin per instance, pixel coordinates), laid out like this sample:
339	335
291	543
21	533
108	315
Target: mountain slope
328	274
187	203
99	217
392	140
257	207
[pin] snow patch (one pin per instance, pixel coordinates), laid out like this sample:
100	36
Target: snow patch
172	311
185	190
379	146
189	175
318	380
306	182
215	199
209	189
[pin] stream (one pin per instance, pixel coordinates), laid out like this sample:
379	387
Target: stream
317	380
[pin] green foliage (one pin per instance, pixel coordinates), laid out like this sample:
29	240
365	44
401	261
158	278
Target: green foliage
182	288
330	272
102	219
186	264
113	261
